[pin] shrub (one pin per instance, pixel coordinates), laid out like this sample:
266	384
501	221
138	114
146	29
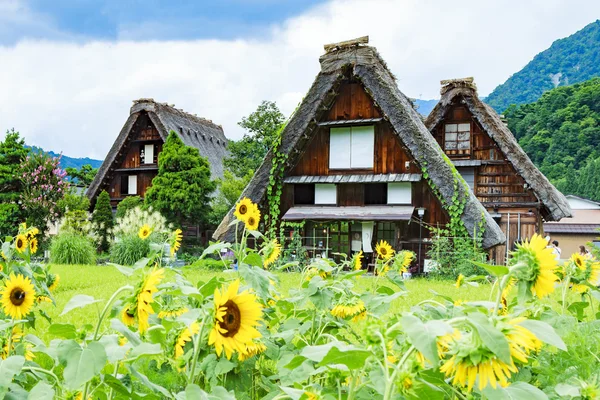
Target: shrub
69	247
103	221
453	255
128	249
127	204
211	264
137	217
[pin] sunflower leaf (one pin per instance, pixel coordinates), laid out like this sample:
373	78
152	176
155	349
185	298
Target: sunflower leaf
496	270
517	390
78	301
544	332
491	336
82	364
9	368
424	335
41	391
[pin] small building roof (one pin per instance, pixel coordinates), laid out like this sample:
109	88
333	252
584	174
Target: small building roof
554	204
576	229
194	131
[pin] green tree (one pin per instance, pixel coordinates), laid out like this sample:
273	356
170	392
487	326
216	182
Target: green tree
181	190
84	175
12	153
73	202
229	190
102	218
262	128
128	203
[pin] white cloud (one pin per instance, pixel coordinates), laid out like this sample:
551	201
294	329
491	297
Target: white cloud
75	97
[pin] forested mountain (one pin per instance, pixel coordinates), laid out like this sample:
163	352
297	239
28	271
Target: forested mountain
570	60
561	134
73	162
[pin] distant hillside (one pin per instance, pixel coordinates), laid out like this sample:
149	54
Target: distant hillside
424	107
568	61
561	134
66	161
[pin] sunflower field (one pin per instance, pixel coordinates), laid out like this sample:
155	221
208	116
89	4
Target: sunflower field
237	336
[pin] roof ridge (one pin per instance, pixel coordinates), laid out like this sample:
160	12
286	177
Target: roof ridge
467	83
171	108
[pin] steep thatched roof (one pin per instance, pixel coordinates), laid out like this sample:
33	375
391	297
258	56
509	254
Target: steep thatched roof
554	205
365	64
194	131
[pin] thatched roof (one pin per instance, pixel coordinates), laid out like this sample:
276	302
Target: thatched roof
365	64
554	205
194	131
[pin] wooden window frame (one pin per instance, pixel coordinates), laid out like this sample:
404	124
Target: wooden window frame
456	151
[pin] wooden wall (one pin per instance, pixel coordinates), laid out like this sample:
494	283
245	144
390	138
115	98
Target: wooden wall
352	103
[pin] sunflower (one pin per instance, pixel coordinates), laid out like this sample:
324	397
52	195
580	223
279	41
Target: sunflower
54	279
122	340
272	251
144	232
177	237
253	220
506	292
459	281
252	349
578	260
17	335
32	232
184	337
404	259
127	316
384	250
536	265
236	318
43	299
243	209
33	245
349	308
21	243
145	299
176	312
18	296
357	260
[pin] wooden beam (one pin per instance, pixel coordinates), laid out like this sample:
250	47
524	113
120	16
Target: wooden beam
346	43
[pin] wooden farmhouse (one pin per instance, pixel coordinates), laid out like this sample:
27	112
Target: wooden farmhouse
132	161
361	166
487	155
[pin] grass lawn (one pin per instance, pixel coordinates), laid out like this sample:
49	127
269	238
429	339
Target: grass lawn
101	282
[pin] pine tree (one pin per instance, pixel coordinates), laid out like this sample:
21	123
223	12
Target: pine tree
12	153
103	220
181	190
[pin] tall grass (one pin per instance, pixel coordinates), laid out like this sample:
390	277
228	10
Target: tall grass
128	249
72	248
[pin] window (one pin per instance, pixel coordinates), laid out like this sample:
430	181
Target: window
399	193
352	147
325	194
376	193
148	154
468	174
386	231
132	183
457	137
304	194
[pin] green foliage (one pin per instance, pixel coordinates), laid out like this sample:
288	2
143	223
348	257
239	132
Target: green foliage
452	256
103	221
128	203
570	60
69	247
73	202
181	190
12	153
263	127
229	191
128	249
561	134
83	176
210	264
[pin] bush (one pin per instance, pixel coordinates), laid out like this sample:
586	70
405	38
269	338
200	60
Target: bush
453	256
71	248
210	264
129	249
127	204
103	221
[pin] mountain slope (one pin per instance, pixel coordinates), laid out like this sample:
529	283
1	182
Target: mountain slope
424	107
568	61
74	162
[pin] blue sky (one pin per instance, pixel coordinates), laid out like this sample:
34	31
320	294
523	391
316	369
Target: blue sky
82	20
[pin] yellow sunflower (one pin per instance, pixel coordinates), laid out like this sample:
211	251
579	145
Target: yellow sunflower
536	265
459	281
18	296
406	259
21	243
236	317
144	232
127	316
122	340
384	250
32	232
578	260
54	279
177	237
172	313
244	208
184	337
349	308
145	297
33	245
253	220
357	261
43	299
252	349
272	251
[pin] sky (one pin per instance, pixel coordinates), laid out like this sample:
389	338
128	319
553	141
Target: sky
69	69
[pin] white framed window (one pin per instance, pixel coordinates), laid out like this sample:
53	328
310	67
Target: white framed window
352	147
325	194
132	184
149	154
399	193
457	136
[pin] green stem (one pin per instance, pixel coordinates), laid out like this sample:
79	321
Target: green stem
499	295
10	338
110	393
352	387
385	361
564	293
196	350
390	382
107	307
